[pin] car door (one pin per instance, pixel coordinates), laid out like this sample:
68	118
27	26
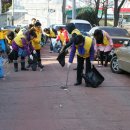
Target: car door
124	57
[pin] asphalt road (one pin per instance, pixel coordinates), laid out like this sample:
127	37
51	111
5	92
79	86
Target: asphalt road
34	100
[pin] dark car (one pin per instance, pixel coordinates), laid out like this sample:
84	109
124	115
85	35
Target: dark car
118	35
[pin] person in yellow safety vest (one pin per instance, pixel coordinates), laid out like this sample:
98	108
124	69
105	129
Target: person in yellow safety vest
104	45
50	33
84	47
20	44
73	31
36	42
62	36
8	40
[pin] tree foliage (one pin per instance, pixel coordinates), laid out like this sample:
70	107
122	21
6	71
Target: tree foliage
5	5
91	14
88	14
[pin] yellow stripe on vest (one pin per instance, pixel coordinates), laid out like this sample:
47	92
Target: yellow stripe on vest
105	40
87	46
18	40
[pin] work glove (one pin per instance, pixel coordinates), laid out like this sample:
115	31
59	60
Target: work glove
69	64
11	47
34	52
92	62
31	57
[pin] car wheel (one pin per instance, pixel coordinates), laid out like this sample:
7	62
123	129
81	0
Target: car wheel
115	66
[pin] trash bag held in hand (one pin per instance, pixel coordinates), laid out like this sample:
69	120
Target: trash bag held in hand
33	63
94	78
61	58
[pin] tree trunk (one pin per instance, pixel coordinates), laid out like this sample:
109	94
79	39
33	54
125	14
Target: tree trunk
117	11
105	13
116	16
96	11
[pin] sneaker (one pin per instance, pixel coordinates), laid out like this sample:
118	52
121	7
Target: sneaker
24	69
76	84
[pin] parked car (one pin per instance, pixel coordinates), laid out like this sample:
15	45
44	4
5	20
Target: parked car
121	59
118	35
83	25
56	26
11	28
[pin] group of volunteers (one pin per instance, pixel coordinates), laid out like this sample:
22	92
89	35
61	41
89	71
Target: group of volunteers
25	43
86	48
70	37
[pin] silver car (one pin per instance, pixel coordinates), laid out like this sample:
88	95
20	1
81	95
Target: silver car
121	59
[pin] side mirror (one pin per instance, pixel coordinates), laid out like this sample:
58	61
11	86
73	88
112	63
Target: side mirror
125	43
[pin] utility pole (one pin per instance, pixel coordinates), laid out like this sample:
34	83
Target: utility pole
73	9
63	12
0	6
12	17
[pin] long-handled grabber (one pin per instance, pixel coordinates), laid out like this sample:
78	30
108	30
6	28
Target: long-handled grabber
66	85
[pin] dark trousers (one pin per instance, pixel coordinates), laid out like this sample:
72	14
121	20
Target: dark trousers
49	38
104	57
80	67
38	55
15	55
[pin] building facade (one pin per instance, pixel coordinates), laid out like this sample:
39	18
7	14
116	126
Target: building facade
47	11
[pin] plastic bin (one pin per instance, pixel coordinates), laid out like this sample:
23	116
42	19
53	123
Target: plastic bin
2	45
1	67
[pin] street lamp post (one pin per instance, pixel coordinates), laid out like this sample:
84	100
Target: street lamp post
63	12
12	16
73	9
48	19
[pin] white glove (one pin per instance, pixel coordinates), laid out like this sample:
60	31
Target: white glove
69	64
11	47
31	57
34	52
92	62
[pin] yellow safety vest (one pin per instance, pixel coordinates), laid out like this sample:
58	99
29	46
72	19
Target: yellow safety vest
62	38
36	41
105	40
87	46
76	31
52	34
18	40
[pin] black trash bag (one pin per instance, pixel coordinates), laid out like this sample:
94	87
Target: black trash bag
61	57
94	78
10	56
33	63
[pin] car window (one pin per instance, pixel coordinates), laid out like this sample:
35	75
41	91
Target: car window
116	31
57	26
83	27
